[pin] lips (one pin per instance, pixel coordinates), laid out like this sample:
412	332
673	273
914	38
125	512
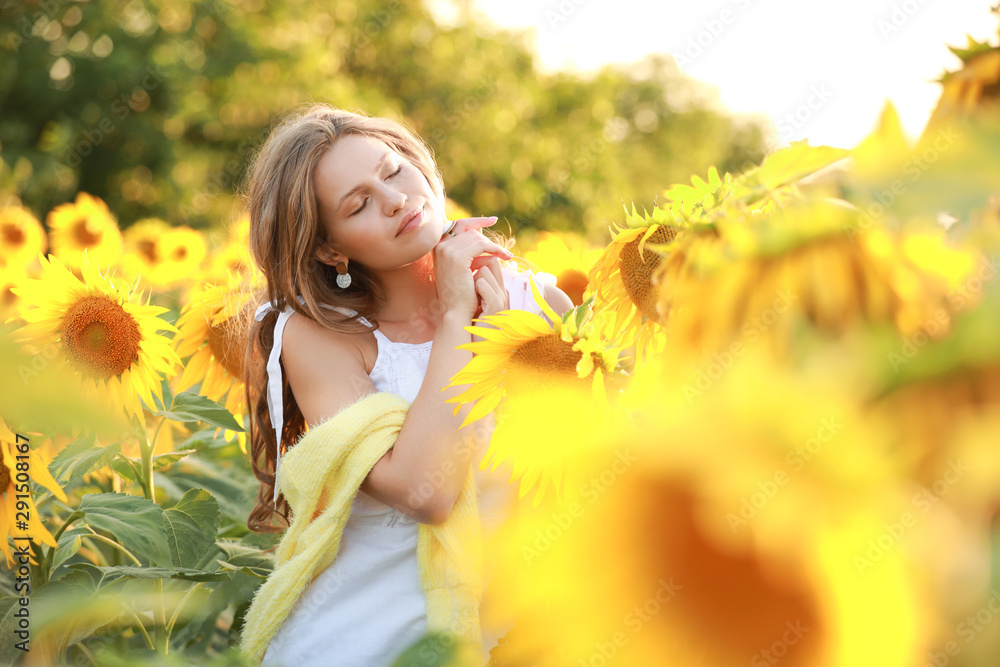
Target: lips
410	220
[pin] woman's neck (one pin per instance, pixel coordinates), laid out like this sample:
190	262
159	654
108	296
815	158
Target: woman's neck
410	295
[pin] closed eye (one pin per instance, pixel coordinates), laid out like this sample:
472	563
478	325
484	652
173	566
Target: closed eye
386	178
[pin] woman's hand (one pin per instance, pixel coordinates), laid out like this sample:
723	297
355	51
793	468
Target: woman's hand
453	270
488	277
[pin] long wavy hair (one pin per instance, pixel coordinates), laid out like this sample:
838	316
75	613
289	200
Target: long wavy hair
285	232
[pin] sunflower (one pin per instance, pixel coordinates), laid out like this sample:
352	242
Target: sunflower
942	394
85	226
568	258
768	275
141	239
212	335
969	90
18	458
162	254
102	329
183	252
21	236
232	259
622	279
532	365
779	580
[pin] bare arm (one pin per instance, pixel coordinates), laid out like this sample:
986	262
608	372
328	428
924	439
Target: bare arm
425	470
423	473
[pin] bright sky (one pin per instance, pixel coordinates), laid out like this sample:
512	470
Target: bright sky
818	70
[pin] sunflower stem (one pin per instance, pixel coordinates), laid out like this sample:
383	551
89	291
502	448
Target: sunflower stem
94	535
46	564
142	629
177	611
159	619
147	459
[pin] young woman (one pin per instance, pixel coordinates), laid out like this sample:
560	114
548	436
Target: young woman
369	288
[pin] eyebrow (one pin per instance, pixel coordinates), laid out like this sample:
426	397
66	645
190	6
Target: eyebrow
353	190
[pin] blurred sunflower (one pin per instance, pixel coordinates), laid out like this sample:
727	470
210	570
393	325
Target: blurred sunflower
231	258
940	393
567	257
769	274
141	256
705	502
975	87
85	226
103	331
21	236
212	334
162	254
14	491
525	362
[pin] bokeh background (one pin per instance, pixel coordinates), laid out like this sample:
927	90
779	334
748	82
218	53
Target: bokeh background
807	349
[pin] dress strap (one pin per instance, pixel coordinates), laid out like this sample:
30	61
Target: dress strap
275	402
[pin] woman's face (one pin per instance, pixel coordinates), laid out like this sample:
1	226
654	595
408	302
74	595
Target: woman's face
365	190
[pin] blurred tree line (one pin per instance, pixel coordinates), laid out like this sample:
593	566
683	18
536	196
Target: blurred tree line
157	107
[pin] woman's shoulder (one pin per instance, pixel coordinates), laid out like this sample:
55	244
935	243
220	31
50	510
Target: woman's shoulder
309	343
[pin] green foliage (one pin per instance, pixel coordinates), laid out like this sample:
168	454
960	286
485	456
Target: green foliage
156	106
190	407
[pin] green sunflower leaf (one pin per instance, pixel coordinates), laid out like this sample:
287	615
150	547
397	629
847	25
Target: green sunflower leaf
190	407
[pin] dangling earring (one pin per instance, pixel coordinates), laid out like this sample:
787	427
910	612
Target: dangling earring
343	277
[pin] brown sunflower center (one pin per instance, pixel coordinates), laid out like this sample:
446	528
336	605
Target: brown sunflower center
637	272
4	477
84	235
722	588
12	234
574	283
539	361
180	253
100	336
222	340
147	248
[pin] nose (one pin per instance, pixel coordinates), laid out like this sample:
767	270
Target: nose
393	200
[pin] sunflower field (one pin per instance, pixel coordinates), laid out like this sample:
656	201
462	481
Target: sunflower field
767	432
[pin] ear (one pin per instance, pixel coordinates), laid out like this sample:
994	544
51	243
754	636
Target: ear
328	254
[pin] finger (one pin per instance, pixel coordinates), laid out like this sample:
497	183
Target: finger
465	224
494	265
477	244
487	260
486	291
495	300
491	266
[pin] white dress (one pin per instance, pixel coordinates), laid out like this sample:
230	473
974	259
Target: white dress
368	606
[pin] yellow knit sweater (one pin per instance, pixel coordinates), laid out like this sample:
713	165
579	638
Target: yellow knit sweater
320	477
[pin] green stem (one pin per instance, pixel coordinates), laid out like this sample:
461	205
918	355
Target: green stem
147	450
177	611
132	465
87	652
142	629
115	545
46	564
93	547
160	633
